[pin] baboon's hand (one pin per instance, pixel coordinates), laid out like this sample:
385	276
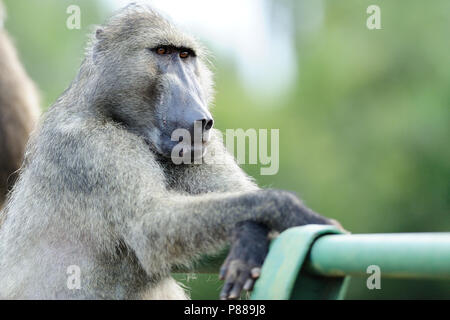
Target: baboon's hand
242	267
289	211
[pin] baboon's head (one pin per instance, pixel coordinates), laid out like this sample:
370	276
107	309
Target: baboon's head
152	78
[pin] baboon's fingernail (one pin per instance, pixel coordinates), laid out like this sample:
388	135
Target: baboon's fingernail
256	272
232	296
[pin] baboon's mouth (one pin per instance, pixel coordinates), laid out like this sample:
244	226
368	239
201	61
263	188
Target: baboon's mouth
197	150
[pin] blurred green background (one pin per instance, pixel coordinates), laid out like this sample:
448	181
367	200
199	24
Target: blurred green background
364	124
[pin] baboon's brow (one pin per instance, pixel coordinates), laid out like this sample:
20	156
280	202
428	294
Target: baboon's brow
174	47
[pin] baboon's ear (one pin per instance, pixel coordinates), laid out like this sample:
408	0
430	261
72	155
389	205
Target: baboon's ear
100	44
100	33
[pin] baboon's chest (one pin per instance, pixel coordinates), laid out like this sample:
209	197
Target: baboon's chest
185	178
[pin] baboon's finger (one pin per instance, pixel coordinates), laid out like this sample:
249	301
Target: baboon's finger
249	284
238	285
223	271
230	274
226	290
236	291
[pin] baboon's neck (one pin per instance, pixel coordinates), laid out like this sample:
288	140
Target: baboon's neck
86	91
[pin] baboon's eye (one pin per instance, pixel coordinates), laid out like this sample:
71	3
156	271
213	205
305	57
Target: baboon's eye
184	54
161	50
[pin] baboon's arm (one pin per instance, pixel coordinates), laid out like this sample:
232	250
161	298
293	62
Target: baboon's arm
177	229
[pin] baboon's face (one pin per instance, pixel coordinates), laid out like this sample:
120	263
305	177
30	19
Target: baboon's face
155	81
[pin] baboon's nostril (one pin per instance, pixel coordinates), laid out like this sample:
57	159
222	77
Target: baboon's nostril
207	124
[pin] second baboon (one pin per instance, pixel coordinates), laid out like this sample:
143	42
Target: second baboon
99	195
19	111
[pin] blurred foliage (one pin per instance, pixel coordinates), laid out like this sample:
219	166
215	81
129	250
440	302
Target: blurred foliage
363	132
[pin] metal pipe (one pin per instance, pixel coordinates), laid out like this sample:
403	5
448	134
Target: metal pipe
401	255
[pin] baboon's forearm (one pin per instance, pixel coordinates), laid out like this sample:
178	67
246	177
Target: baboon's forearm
187	226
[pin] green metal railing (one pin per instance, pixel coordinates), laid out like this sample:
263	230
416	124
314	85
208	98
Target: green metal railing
316	262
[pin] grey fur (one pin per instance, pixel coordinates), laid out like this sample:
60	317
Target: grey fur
91	193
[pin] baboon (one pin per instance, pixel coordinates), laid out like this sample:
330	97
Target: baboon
99	189
19	111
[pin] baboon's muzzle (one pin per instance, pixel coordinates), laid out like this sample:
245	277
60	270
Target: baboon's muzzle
185	118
